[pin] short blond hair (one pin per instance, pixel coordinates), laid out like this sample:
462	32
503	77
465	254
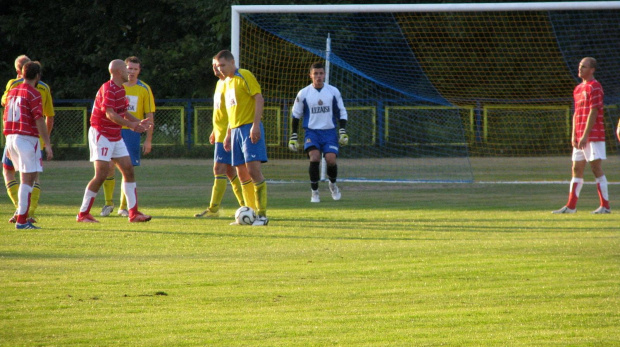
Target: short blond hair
20	62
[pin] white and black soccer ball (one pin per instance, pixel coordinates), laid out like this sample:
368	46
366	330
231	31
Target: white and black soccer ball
245	215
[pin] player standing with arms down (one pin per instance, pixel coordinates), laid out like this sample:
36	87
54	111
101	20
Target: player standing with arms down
23	123
321	106
12	187
222	160
105	142
588	138
245	136
141	106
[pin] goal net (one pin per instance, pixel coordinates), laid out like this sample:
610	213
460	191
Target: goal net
428	86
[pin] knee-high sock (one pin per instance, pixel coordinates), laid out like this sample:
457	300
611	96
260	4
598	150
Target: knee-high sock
24	202
236	187
332	172
34	199
108	190
132	196
249	196
603	192
123	204
12	188
315	175
87	201
575	188
260	190
217	192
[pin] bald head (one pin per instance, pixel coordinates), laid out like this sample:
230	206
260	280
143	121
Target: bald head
118	71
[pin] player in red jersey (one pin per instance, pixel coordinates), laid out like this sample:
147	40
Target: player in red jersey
23	123
105	142
588	138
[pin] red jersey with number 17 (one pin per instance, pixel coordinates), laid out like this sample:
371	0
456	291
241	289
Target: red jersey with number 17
589	95
23	107
109	95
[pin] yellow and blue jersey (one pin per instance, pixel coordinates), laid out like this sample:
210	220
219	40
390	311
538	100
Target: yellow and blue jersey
220	116
141	100
240	90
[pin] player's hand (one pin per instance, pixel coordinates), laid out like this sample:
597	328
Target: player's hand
255	134
147	123
138	127
212	138
293	145
618	133
146	147
227	143
344	138
48	152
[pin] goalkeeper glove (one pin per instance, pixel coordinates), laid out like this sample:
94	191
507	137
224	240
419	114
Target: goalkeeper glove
344	138
292	143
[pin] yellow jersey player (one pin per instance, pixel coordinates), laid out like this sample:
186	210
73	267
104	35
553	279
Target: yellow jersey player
222	160
245	137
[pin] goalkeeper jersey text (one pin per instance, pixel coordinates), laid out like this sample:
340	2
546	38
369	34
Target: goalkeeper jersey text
320	108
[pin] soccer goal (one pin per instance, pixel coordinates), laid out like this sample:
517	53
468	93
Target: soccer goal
427	86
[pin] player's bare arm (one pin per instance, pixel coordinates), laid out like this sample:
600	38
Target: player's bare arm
589	125
41	127
258	114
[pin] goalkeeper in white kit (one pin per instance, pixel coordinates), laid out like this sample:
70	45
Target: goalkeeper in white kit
321	107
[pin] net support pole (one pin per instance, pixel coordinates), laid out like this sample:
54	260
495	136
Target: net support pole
328	48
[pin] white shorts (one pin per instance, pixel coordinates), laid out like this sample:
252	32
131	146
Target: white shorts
25	153
592	152
103	149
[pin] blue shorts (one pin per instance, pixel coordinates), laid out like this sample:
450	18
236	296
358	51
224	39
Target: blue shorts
6	162
325	141
220	155
132	142
243	150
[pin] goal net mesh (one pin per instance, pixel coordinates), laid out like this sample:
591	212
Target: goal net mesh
425	91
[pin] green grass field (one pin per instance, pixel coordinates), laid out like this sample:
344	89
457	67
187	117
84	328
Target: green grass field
478	264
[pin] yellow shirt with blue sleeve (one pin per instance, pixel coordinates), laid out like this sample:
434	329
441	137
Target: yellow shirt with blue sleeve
141	100
220	116
240	104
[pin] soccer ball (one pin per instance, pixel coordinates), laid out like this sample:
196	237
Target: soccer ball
245	215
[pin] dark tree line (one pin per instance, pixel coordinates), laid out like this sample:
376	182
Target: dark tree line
76	39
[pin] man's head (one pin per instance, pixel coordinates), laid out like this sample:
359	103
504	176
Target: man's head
217	72
133	68
19	64
317	74
225	63
587	66
118	71
31	71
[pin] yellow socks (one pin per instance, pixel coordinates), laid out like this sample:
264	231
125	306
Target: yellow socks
249	196
12	188
108	190
217	193
236	187
260	190
34	199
